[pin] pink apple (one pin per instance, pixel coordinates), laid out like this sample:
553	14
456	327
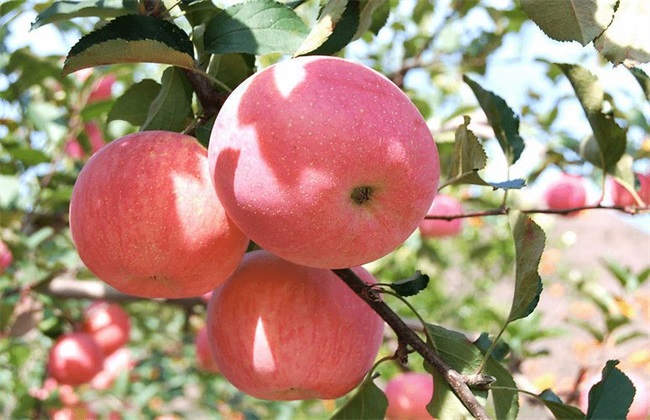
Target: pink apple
6	257
323	162
280	331
204	357
73	148
95	136
622	197
103	89
108	324
443	205
146	220
74	359
114	364
408	395
640	408
566	192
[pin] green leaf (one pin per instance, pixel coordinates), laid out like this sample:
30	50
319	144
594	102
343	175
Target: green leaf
571	20
560	410
374	15
529	245
132	39
328	20
255	27
133	105
369	402
444	403
66	10
172	106
609	136
504	395
469	155
343	32
643	79
626	39
29	157
503	120
411	286
499	352
232	69
612	396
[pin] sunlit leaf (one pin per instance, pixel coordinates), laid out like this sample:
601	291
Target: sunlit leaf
571	20
66	9
328	20
132	39
255	27
343	32
369	402
529	245
627	39
612	396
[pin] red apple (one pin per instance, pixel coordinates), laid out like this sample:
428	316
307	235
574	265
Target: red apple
74	359
103	89
204	357
280	331
408	395
323	162
443	205
95	136
113	366
640	408
566	192
73	148
146	220
108	324
622	197
6	257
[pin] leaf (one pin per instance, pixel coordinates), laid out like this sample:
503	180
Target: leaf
499	352
66	10
612	396
232	69
343	32
374	15
560	410
329	18
504	396
503	120
627	39
643	79
411	286
255	27
609	136
445	404
369	402
132	39
133	105
529	245
172	106
469	155
571	20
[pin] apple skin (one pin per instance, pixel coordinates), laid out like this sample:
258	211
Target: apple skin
622	197
75	359
103	89
640	408
567	191
6	257
443	205
280	331
203	356
145	219
323	162
114	364
408	395
108	324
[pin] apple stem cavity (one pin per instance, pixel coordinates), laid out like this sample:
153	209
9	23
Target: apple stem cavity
362	194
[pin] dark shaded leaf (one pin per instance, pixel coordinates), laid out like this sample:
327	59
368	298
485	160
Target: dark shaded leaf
343	32
643	79
66	9
612	396
329	18
411	286
133	106
369	402
171	108
255	27
560	410
132	39
499	352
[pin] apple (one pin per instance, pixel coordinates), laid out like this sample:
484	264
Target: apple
204	357
108	324
622	197
408	395
114	364
95	136
6	257
281	331
323	162
75	359
566	192
443	205
103	89
640	408
146	220
73	148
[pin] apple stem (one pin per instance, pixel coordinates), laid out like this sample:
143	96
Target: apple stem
407	335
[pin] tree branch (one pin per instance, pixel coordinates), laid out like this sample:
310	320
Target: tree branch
633	210
407	335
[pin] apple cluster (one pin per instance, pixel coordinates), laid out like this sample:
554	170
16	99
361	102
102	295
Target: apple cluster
321	162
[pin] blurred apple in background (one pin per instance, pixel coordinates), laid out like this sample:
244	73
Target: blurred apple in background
443	205
622	197
108	324
566	192
408	395
203	356
6	257
75	359
103	89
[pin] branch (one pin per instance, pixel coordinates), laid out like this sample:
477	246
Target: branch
407	335
209	96
633	210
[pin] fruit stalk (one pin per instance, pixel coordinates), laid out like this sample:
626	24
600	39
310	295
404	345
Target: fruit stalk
408	336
